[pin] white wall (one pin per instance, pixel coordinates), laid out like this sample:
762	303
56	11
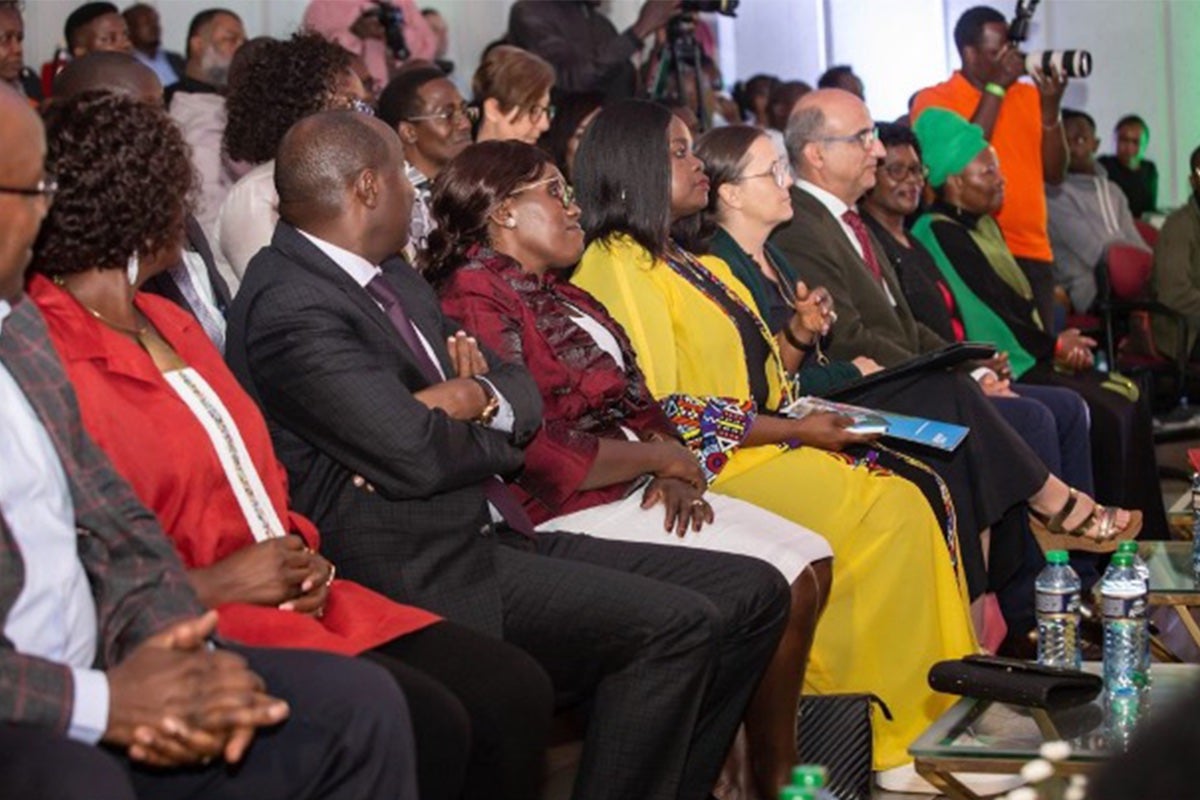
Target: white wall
1146	57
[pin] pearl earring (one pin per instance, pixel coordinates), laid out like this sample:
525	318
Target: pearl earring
510	223
131	269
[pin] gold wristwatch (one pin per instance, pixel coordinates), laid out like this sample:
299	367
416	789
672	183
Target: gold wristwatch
493	402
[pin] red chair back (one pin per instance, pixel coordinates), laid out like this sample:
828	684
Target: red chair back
1149	233
1128	272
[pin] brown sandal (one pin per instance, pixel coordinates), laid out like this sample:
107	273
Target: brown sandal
1051	535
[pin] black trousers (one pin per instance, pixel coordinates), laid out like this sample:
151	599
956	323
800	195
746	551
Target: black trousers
992	471
665	644
1124	463
347	738
480	712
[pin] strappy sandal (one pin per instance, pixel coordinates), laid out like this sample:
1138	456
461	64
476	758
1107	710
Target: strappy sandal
1051	534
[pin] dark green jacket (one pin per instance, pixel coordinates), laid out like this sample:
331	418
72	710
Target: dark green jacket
814	378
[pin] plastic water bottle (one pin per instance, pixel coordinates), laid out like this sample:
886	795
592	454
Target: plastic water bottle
808	783
1123	604
1122	709
1142	570
1139	564
1058	589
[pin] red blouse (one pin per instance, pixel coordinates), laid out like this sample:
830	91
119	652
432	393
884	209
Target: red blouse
586	394
157	444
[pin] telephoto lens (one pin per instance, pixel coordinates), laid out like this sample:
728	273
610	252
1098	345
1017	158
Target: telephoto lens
726	7
1072	63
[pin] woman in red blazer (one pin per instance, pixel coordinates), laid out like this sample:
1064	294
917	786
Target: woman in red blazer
156	396
607	456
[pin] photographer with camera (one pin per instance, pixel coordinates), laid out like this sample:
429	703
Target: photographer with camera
1023	121
583	45
383	33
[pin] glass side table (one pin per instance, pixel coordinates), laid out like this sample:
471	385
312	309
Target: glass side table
1172	584
985	736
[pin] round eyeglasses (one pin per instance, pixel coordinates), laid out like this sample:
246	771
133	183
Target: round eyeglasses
449	114
556	187
537	112
778	172
47	187
899	172
866	138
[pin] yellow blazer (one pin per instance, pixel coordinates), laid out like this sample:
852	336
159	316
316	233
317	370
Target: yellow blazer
685	342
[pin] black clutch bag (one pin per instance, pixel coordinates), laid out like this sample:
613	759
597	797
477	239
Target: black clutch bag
835	732
1020	683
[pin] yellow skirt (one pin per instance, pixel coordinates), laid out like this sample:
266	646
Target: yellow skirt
896	605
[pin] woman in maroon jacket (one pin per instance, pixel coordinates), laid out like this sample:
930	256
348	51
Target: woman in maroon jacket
606	456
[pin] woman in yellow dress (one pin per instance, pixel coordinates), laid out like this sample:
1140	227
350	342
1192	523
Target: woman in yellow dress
897	603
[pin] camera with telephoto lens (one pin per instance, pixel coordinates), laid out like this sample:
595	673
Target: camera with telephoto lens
1072	63
726	7
392	20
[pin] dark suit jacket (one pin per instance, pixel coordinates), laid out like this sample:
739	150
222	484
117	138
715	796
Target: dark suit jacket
137	580
164	285
336	383
868	324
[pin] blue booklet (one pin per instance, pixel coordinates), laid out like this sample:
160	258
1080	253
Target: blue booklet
942	435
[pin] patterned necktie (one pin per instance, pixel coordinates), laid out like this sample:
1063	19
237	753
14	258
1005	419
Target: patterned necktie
498	494
851	218
210	318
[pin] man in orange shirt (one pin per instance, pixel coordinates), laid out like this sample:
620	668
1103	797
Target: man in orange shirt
1023	122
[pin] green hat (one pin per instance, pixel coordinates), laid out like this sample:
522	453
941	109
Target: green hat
948	143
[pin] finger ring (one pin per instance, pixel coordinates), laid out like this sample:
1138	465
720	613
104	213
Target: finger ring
332	573
833	316
698	503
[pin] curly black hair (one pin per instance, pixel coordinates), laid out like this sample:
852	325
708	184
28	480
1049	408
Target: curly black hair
124	183
280	84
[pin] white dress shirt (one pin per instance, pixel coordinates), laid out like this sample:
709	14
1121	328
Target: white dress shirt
54	616
363	272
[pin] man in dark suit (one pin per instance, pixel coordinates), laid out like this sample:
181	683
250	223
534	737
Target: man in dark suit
394	425
102	640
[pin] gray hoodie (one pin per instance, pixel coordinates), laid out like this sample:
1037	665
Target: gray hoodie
1086	213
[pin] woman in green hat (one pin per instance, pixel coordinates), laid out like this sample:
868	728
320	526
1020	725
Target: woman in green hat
995	302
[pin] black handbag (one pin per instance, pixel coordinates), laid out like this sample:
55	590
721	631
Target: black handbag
834	730
1020	683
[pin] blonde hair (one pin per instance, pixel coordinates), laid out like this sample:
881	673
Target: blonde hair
513	77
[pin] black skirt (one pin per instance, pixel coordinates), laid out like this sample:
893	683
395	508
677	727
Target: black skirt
989	474
1124	465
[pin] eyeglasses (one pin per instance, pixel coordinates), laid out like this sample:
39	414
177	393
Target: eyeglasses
899	172
47	187
778	172
536	112
349	102
559	189
866	137
449	114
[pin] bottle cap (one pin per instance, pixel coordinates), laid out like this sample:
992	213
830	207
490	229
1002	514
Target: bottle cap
808	776
1130	547
1122	560
796	793
1057	557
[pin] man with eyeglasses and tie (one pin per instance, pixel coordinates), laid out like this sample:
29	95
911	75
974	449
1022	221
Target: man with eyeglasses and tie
434	123
838	153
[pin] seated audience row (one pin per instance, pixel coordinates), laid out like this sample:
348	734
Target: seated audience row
543	441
